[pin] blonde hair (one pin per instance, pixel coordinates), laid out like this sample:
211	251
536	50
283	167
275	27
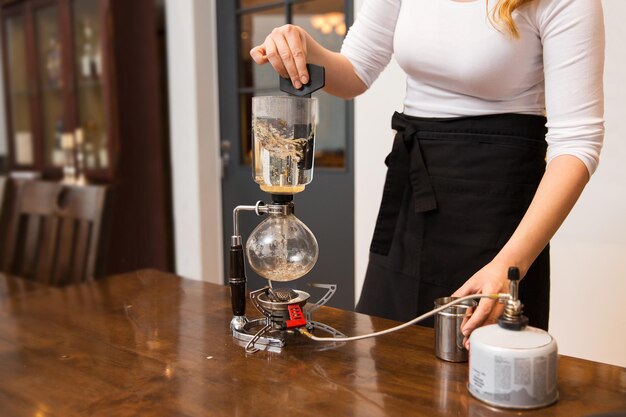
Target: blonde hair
501	15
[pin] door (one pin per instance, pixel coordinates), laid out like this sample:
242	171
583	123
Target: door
327	204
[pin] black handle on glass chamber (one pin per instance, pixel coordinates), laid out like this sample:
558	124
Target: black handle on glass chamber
237	280
317	80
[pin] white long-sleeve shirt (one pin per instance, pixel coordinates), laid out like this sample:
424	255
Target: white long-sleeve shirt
459	64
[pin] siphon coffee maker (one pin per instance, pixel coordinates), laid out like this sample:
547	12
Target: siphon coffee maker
281	248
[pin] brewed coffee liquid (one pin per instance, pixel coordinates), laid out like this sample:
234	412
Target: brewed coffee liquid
277	189
283	155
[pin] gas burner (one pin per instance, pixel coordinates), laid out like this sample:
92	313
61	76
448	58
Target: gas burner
281	318
281	294
278	300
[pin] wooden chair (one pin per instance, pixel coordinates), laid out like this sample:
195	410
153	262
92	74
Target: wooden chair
54	231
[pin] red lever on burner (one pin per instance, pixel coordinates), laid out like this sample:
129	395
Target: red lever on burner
296	316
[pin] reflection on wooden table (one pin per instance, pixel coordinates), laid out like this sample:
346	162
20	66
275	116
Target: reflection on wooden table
153	344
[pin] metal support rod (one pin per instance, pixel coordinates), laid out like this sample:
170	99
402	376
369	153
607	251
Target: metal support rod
259	208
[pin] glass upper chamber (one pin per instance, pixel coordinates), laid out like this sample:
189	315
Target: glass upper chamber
283	142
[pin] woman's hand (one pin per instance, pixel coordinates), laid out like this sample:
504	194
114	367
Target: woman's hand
286	49
492	278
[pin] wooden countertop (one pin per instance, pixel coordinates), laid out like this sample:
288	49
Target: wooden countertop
153	344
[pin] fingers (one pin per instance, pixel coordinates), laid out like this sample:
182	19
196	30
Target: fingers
466	344
297	46
480	315
258	54
273	56
285	49
469	312
492	317
488	280
285	55
466	289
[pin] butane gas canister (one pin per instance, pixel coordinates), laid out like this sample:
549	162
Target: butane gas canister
513	368
511	364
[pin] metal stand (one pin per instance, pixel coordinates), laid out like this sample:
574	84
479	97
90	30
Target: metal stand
265	333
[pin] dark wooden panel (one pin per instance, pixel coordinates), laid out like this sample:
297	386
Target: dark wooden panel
152	344
81	248
141	216
6	195
10	232
3	187
48	250
65	251
30	250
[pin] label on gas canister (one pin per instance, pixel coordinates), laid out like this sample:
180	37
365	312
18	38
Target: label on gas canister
514	381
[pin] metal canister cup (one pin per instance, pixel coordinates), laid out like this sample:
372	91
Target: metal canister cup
448	336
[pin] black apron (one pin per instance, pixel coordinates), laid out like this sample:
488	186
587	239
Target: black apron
455	191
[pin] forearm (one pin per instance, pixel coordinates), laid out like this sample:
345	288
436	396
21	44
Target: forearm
558	191
341	79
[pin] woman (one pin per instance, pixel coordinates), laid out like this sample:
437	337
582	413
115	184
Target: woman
468	192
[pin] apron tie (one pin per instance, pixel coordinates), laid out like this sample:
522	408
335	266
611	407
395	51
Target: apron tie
406	166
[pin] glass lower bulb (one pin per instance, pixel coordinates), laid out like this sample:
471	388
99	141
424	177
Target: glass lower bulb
282	248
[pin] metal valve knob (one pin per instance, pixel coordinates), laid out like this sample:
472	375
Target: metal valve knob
512	317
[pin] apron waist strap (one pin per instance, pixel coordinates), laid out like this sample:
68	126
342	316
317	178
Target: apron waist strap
412	163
